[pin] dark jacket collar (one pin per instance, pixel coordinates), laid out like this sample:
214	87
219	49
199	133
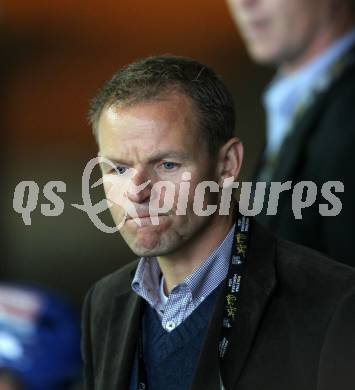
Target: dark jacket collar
120	342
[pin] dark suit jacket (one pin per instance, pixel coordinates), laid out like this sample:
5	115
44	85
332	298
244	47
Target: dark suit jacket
320	148
295	327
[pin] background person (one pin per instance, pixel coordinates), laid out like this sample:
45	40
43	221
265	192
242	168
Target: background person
309	107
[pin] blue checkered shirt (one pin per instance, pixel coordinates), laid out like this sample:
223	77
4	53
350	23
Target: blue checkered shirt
186	296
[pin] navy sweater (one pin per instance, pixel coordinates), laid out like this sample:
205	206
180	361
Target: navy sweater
171	357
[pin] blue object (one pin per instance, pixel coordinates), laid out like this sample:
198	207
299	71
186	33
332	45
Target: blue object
39	337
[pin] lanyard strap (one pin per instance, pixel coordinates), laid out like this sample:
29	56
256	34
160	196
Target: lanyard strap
234	278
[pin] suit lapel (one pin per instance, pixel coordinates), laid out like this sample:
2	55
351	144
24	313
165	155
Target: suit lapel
292	154
259	283
294	144
120	342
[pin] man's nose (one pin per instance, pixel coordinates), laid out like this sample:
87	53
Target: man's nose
139	188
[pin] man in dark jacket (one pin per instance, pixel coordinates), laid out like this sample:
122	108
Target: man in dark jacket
310	111
215	301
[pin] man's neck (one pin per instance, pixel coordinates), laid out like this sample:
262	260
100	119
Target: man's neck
318	45
177	266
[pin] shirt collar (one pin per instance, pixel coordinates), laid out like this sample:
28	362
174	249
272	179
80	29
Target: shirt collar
163	297
146	281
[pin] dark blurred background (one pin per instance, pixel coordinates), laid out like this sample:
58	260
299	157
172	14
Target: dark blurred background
54	56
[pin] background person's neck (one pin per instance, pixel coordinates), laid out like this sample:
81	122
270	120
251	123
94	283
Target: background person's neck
321	41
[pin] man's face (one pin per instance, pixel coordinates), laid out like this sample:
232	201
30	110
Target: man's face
280	31
157	141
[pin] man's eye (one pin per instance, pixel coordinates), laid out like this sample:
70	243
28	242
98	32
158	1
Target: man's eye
121	170
169	165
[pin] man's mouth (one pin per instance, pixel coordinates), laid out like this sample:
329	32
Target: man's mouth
138	216
146	219
256	27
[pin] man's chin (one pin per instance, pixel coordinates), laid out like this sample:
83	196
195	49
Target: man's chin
149	247
147	252
143	245
262	54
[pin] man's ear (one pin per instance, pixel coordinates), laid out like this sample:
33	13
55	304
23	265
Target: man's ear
230	159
